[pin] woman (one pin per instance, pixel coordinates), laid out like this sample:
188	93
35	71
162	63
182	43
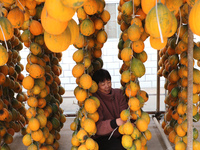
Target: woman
112	102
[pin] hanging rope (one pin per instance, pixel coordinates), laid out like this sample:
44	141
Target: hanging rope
4	38
21	5
160	31
133	16
112	133
179	26
133	10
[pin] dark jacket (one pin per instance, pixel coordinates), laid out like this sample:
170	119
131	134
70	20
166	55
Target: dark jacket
110	108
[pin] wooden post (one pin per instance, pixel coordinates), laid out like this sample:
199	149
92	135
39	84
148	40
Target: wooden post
158	86
190	89
1	6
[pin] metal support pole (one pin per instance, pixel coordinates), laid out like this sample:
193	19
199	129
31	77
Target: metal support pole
166	141
190	89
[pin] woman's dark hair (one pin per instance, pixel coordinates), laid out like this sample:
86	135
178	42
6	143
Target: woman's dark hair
101	75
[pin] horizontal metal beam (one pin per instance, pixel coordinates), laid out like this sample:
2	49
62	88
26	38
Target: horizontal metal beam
166	141
149	112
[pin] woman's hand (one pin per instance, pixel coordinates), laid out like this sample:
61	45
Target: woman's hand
119	121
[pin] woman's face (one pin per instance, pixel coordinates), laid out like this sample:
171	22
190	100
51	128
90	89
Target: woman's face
105	86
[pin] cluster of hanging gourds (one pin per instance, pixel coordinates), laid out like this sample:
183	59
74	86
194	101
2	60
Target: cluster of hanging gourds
131	19
174	67
92	36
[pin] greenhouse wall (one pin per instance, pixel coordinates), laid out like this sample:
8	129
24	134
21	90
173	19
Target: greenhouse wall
111	63
109	56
